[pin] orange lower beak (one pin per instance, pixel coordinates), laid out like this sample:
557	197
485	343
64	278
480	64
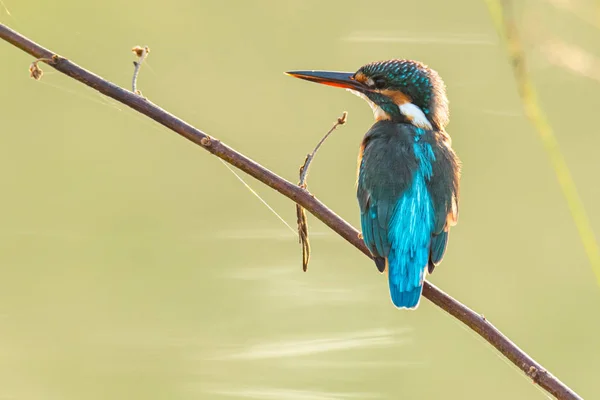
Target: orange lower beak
337	79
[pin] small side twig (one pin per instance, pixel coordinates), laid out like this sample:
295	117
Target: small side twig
300	211
34	69
142	53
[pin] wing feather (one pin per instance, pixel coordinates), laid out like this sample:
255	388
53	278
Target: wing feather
444	190
386	165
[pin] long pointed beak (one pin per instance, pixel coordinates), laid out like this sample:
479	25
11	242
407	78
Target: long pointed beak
337	79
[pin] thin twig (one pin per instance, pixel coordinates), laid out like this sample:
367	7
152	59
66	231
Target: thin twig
302	222
309	157
300	211
476	322
142	53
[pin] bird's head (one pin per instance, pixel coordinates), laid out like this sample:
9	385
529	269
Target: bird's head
398	90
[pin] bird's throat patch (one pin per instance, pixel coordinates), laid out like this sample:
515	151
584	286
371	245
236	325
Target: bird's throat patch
378	112
412	112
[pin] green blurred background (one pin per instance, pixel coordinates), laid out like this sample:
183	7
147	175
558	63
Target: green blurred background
135	265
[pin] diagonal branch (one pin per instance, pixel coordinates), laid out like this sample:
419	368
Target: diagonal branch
301	196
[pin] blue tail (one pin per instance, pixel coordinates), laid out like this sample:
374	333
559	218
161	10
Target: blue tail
406	299
405	276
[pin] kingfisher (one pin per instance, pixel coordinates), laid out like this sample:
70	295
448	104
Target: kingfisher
408	173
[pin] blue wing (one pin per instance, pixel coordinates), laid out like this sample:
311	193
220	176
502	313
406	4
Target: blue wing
375	233
444	189
386	166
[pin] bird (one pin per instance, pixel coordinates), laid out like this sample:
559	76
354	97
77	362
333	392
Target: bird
408	173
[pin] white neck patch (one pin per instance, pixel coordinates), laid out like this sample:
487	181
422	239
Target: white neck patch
415	115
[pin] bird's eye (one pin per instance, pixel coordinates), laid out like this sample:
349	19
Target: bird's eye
379	82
